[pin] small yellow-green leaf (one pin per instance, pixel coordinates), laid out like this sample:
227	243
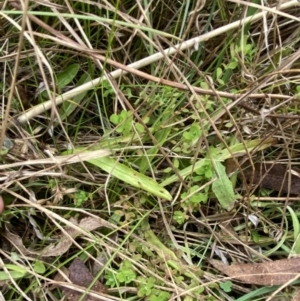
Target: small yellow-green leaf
39	267
131	176
219	72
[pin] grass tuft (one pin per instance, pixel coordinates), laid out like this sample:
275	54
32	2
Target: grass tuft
129	130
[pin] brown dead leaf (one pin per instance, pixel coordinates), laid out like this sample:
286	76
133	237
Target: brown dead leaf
269	273
273	176
81	276
65	241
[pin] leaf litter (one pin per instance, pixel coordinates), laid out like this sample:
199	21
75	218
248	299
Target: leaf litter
80	275
65	240
270	273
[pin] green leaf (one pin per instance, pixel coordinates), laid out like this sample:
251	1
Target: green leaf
123	122
220	81
130	176
226	286
115	119
180	217
65	77
162	296
126	273
39	267
193	134
219	72
222	187
206	171
296	248
204	85
111	280
69	106
139	127
194	198
15	272
80	197
232	65
126	276
255	236
145	286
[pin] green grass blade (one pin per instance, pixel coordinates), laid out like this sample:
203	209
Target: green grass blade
256	293
131	177
68	107
15	272
161	136
66	76
296	228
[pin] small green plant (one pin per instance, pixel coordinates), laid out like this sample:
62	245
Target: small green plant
206	100
193	134
180	217
125	123
107	90
205	172
111	280
159	296
145	287
194	198
226	286
190	137
191	200
126	273
80	197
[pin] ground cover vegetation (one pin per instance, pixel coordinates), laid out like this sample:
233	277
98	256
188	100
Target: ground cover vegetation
149	150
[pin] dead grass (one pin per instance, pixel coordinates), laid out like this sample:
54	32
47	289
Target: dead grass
117	121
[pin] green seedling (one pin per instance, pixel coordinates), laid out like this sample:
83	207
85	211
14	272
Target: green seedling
80	197
126	273
146	286
124	122
180	217
226	286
